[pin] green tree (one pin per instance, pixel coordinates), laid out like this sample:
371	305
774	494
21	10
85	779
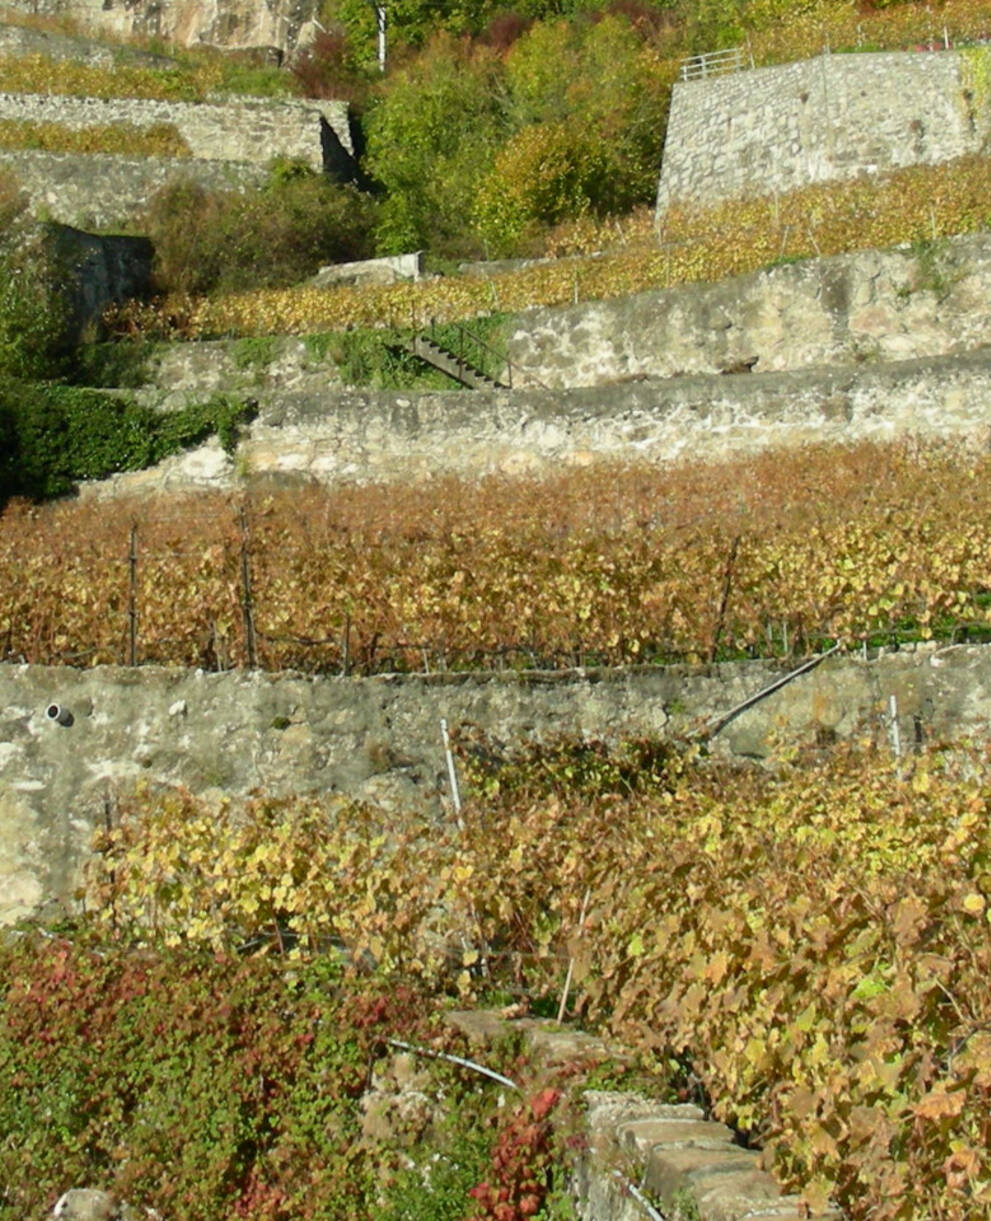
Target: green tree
430	137
409	23
589	103
412	23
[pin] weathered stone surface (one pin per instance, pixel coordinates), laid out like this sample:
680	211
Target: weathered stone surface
339	437
607	1110
282	25
851	310
668	1173
99	271
390	269
90	1204
836	116
278	362
745	1195
481	1027
379	738
21	40
555	1045
100	191
643	1135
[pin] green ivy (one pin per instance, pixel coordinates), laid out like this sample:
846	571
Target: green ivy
53	435
125	365
34	310
210	1087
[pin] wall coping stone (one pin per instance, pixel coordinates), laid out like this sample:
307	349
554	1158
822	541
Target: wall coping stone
673	1151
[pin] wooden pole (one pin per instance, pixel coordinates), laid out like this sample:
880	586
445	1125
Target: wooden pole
132	598
452	774
246	604
571	961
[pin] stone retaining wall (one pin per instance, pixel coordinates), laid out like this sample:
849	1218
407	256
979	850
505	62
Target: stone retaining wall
833	117
849	309
337	437
95	191
379	738
249	130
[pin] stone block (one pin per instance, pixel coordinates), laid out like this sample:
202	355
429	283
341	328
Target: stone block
642	1135
736	1195
667	1172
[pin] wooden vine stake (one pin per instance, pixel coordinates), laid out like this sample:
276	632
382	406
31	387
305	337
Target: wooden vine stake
132	597
246	603
452	773
571	961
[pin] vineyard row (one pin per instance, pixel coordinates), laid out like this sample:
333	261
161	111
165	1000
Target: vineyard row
605	567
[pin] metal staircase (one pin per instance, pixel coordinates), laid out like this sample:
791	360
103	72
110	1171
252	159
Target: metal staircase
467	362
455	365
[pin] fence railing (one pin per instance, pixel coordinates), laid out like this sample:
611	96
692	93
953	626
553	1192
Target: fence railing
715	63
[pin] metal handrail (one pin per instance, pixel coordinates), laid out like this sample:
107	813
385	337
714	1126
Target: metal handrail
713	63
466	338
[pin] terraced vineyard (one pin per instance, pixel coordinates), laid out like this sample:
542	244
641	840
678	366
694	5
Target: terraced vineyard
805	948
814	943
602	567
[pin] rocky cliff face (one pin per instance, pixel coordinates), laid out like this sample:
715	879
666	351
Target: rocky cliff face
279	26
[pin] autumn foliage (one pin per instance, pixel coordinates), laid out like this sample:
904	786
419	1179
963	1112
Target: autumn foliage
814	942
606	565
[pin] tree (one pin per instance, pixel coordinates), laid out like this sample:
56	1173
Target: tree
589	105
430	137
409	23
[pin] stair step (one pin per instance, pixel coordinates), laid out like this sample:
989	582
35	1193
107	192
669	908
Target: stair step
461	370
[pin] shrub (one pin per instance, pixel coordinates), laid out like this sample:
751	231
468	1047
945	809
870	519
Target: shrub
225	240
327	69
504	29
547	172
34	307
589	105
429	139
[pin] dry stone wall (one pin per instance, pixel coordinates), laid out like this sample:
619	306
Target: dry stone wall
252	131
336	437
851	309
379	738
95	191
866	346
833	117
